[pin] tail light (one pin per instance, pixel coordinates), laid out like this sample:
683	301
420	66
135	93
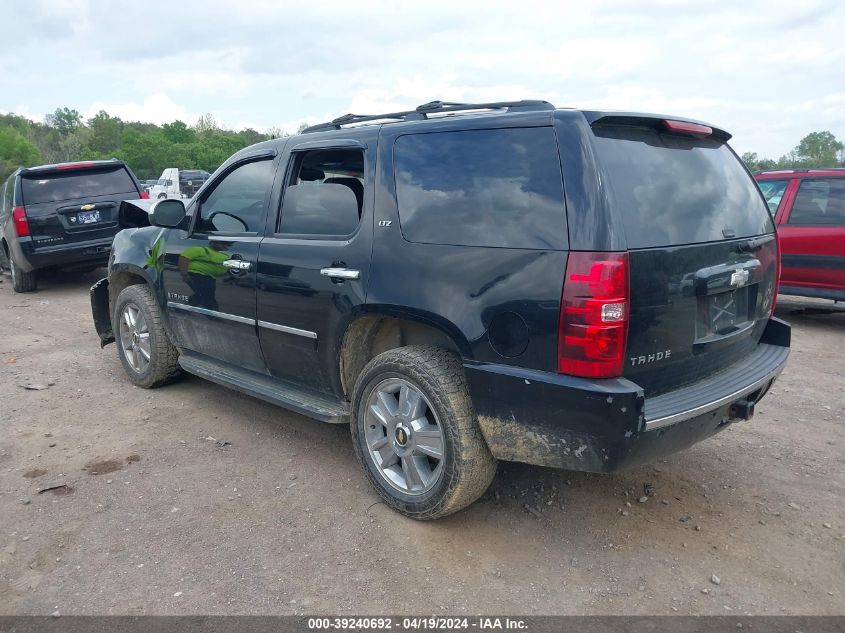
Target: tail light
776	286
75	165
769	256
594	307
20	221
685	127
145	195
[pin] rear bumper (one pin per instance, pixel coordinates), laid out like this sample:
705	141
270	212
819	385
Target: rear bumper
608	425
30	258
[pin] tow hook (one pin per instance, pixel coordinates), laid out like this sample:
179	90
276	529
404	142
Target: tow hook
742	409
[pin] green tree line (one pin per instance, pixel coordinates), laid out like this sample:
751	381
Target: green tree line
147	148
815	151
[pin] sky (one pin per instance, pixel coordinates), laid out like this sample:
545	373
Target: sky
769	72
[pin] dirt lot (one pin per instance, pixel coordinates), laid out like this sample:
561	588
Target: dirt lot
157	518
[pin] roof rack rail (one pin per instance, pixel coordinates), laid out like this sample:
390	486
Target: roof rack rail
422	112
800	170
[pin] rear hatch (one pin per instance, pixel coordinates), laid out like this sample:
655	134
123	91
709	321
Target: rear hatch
75	203
702	250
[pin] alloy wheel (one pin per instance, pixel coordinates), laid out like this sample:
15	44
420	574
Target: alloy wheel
404	436
135	337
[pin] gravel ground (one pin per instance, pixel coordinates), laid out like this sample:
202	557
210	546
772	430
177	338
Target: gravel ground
155	517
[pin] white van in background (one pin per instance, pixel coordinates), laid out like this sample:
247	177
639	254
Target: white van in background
178	183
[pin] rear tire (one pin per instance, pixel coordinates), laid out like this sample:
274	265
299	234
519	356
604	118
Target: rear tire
416	435
22	281
145	351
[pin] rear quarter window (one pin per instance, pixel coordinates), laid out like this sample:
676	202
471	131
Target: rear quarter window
75	184
498	188
819	202
672	190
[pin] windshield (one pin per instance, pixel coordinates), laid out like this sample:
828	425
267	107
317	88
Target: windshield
773	192
673	189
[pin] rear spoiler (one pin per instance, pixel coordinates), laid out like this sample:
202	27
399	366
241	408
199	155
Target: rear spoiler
60	168
656	121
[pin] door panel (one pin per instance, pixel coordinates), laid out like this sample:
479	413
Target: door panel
812	235
211	306
209	274
302	311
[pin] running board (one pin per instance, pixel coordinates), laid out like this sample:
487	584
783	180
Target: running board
274	391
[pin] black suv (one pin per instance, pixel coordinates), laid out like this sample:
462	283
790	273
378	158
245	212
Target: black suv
61	215
466	283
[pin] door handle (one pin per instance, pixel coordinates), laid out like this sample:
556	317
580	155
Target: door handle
340	273
237	264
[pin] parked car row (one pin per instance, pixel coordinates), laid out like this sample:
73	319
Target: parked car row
466	283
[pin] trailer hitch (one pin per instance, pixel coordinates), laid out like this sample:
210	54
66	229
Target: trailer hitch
742	409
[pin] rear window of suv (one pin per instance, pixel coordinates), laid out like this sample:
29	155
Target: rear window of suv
672	189
75	184
500	188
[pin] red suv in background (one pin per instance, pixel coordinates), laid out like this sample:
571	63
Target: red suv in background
809	209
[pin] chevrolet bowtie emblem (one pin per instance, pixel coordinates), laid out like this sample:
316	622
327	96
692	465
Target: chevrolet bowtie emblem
739	278
86	207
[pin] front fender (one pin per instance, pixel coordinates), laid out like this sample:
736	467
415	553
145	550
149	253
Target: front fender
138	252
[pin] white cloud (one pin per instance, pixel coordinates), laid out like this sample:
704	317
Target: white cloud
157	108
767	73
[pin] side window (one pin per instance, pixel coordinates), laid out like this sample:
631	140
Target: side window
481	188
325	193
773	192
8	199
820	201
238	203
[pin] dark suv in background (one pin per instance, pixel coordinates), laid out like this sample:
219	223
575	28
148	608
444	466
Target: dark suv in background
62	215
462	283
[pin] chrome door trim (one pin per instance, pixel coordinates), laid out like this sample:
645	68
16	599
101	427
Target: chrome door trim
287	329
212	313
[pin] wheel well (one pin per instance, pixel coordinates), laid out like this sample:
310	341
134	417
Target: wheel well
369	336
120	280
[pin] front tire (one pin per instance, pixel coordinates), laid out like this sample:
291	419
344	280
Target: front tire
416	435
145	351
22	281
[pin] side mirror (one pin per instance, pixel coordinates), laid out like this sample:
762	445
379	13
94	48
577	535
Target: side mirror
168	213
